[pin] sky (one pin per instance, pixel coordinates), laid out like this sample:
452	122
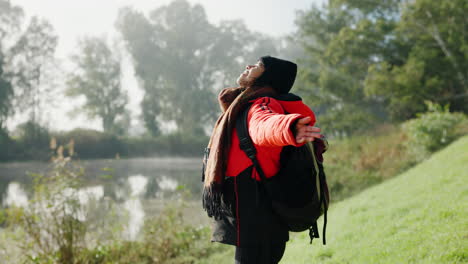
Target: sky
73	19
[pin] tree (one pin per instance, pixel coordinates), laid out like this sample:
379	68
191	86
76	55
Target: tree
170	51
6	94
97	77
330	86
33	66
374	60
182	61
10	20
435	65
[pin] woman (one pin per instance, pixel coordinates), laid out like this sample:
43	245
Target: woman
232	193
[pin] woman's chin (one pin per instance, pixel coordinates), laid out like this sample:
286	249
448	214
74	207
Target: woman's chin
243	81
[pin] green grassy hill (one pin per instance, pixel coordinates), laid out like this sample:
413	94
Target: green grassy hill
420	216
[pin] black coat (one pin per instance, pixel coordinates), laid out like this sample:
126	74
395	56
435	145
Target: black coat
247	218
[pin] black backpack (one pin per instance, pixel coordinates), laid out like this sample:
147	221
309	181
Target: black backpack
299	192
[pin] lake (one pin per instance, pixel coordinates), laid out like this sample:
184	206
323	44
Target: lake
142	186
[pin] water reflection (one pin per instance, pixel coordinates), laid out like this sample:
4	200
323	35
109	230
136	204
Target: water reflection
137	184
86	196
140	187
134	206
15	195
162	174
88	193
167	183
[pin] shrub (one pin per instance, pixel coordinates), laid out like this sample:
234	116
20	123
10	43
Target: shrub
58	227
175	144
32	142
51	221
92	143
59	221
432	130
145	147
186	144
6	145
355	163
166	239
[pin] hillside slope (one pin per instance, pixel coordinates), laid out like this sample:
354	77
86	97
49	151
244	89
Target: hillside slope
420	216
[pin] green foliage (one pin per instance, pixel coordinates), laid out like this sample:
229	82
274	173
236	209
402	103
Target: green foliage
89	144
166	239
10	19
54	221
356	163
59	222
5	144
32	142
58	227
345	120
404	83
186	144
432	60
33	134
6	92
432	130
385	58
176	144
33	68
339	49
170	237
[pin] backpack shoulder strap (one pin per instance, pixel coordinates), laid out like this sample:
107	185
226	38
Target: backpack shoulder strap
245	141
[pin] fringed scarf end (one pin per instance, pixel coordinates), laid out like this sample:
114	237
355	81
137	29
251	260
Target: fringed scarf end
212	200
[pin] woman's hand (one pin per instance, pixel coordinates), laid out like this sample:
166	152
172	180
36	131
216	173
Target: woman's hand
304	132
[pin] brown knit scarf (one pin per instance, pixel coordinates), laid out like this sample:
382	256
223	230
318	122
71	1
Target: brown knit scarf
232	101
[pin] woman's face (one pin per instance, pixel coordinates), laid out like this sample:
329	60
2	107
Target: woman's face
251	73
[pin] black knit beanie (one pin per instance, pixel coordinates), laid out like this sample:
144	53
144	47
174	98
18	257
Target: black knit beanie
279	74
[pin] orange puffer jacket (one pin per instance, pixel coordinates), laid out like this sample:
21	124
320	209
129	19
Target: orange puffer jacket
269	123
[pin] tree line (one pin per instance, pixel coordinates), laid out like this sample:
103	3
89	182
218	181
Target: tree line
181	60
362	63
370	62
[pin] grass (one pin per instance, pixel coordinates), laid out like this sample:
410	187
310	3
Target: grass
420	216
361	161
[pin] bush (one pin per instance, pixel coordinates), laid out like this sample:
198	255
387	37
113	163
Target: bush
60	221
51	222
32	143
145	147
176	144
355	163
91	144
6	145
186	144
58	227
166	239
432	130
